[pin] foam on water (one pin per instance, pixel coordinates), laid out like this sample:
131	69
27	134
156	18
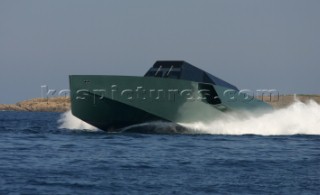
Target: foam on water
299	118
68	121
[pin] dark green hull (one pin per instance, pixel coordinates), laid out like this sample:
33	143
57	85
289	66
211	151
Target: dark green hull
113	102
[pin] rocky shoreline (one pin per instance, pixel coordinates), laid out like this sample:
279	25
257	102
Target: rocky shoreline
55	104
62	104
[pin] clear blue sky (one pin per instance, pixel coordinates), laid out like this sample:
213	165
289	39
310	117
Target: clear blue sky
253	44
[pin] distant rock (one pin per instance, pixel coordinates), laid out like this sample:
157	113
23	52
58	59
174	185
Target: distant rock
55	104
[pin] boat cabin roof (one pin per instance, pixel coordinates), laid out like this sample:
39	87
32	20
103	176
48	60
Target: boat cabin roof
185	71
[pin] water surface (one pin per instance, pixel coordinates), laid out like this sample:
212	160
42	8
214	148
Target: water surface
37	157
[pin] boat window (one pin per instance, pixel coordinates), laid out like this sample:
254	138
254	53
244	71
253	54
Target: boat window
206	79
169	72
221	82
153	73
172	74
158	73
209	94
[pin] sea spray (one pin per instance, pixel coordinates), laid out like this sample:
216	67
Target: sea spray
298	118
68	121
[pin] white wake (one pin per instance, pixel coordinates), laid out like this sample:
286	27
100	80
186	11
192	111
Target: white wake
299	118
68	121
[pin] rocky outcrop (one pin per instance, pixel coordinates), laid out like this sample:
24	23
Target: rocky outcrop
56	104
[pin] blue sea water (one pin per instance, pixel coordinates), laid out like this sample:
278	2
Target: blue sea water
37	157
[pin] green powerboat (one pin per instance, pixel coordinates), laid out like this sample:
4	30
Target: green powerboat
171	91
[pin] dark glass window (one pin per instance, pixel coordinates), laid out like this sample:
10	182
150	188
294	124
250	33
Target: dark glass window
164	72
209	94
172	74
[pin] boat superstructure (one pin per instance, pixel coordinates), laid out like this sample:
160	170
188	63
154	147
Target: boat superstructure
173	91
